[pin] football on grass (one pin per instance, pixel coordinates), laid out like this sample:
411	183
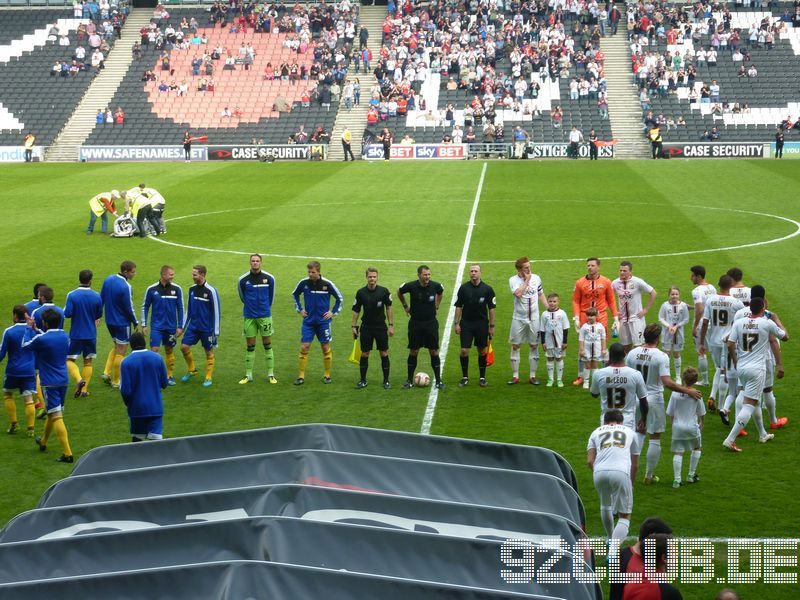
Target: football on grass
422	380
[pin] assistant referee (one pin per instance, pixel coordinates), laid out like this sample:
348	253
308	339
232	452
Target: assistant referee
475	306
376	301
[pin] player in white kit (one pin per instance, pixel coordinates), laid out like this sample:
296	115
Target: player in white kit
592	345
622	388
749	341
687	417
554	330
673	315
527	290
629	291
718	314
702	291
613	456
653	364
739	290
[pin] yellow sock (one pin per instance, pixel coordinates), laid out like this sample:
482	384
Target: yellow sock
327	361
187	355
209	365
30	415
39	394
170	360
73	370
61	434
110	362
11	407
302	362
117	362
87	376
48	429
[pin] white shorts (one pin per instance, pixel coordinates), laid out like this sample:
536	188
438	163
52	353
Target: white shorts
615	490
752	381
524	332
554	352
685	445
656	417
631	333
769	379
672	342
719	355
593	351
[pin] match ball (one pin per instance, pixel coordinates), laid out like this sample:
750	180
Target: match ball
422	380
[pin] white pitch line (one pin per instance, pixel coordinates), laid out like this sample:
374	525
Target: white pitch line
795	233
448	326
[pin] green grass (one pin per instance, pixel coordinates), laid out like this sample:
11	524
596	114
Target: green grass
395	216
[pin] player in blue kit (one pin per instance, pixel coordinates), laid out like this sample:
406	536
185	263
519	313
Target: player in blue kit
46	296
83	308
164	301
257	292
317	315
20	370
117	296
30	306
142	377
201	323
50	350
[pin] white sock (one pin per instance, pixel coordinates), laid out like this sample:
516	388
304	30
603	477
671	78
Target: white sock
621	530
514	362
715	386
533	361
759	419
677	466
739	401
653	456
559	368
581	367
550	367
769	402
702	366
607	517
640	437
590	374
742	419
693	461
722	389
678	365
732	389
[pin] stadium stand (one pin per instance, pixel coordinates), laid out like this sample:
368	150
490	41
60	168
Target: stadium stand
670	63
34	96
242	104
448	58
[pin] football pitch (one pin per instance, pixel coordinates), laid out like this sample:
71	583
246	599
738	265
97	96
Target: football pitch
664	217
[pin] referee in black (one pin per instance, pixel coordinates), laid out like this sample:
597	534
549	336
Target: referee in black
423	327
475	305
376	301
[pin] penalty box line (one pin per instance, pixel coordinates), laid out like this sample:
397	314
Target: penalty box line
433	396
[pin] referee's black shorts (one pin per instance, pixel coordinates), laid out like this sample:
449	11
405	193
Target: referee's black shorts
423	334
378	336
477	331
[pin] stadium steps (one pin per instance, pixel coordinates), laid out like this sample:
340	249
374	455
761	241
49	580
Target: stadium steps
370	17
100	93
624	109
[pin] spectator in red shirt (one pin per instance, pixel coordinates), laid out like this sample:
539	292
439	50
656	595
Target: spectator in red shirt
119	117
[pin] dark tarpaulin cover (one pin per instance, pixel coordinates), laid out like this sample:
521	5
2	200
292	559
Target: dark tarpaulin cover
298	501
405	477
341	547
342	438
243	580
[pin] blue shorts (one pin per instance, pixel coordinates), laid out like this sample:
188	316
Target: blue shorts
85	348
162	337
121	335
206	338
150	428
25	385
54	397
322	331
